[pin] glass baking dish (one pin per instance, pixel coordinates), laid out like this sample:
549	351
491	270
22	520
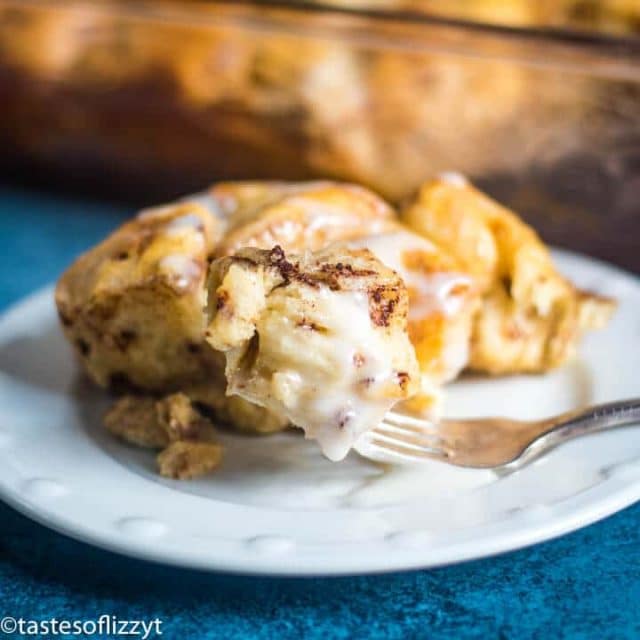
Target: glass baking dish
152	99
615	17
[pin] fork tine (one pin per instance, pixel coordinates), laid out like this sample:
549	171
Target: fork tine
409	436
409	423
514	443
405	451
393	440
403	438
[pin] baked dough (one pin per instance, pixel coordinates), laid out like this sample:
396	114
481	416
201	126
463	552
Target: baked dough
132	305
298	216
320	338
171	424
531	318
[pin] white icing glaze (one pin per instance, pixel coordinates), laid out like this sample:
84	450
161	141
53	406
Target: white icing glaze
332	380
189	226
322	215
213	205
225	204
155	213
353	395
429	292
453	178
187	222
455	355
435	294
181	268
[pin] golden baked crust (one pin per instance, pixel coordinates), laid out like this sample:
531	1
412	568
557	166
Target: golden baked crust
180	419
172	424
320	338
186	459
297	216
531	318
134	419
153	423
234	410
132	306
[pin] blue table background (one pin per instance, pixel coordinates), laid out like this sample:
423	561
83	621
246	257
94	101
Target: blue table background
584	585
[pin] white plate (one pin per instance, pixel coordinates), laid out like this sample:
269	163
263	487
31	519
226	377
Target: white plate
276	506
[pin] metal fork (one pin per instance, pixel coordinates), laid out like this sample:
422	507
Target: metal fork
501	444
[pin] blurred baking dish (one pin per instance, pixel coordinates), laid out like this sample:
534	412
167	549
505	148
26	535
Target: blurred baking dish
157	97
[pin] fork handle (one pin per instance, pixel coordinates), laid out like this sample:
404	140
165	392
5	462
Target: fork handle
574	424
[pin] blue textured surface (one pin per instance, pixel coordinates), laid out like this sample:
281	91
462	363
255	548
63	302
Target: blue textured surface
585	585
